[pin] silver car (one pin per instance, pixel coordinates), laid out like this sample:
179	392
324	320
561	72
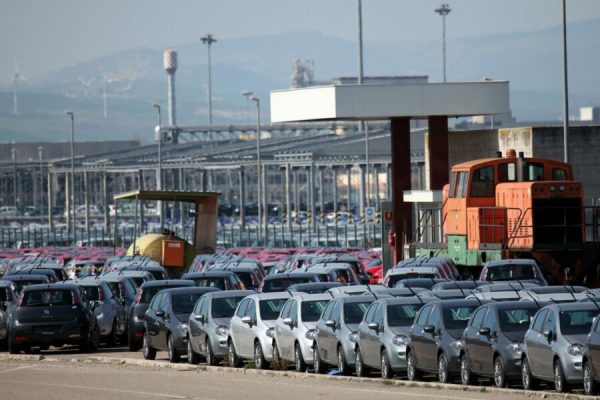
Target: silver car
554	344
251	329
208	325
295	329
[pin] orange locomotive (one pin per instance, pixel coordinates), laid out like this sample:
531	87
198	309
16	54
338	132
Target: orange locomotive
517	207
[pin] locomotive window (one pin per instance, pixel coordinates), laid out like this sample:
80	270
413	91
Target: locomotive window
482	184
559	174
461	191
535	172
452	185
507	172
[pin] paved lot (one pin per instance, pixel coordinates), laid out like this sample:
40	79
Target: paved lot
118	374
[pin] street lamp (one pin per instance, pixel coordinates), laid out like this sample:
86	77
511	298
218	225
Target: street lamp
444	10
247	94
209	40
258	165
362	124
159	178
72	194
13	153
565	86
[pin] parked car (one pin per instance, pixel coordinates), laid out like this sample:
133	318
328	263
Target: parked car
52	276
208	325
123	286
53	315
167	319
591	359
251	329
8	302
250	276
224	280
394	275
22	281
280	282
523	270
137	277
554	344
295	329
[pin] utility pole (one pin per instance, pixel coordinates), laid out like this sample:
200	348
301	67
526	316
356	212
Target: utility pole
565	85
443	10
209	40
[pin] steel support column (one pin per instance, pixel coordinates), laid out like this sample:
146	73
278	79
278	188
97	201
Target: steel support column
437	145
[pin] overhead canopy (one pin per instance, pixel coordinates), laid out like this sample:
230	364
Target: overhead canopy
165	195
377	102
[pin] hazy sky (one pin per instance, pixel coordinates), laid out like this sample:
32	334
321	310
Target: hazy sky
45	35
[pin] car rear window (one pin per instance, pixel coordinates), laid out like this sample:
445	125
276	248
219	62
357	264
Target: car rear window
457	317
91	292
149	292
224	307
183	303
402	314
47	297
576	322
517	319
510	272
269	309
218	283
246	278
280	285
353	312
310	311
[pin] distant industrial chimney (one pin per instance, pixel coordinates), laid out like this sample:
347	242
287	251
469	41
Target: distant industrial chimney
170	65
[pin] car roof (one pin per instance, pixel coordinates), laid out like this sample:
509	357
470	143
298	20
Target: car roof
18	277
5	283
402	300
50	286
189	290
311	297
520	261
457	302
355	299
219	294
219	273
310	285
503	305
556	289
271	295
409	270
167	282
575	306
290	275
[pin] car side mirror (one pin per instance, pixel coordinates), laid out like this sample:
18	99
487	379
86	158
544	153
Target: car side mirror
247	320
200	317
288	321
485	331
549	335
374	326
330	323
160	313
429	329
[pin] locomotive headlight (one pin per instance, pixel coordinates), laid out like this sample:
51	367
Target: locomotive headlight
552	188
561	188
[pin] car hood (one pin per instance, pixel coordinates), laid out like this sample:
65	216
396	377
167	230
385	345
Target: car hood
515	336
352	327
310	325
400	330
576	339
222	321
182	318
456	333
269	323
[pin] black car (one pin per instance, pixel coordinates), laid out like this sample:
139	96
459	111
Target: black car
122	285
22	281
224	280
435	338
135	319
493	341
280	282
53	315
167	319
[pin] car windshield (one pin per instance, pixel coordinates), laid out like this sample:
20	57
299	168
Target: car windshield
47	297
510	272
402	314
353	312
457	317
310	311
515	319
577	322
91	292
215	282
280	285
183	303
225	307
269	309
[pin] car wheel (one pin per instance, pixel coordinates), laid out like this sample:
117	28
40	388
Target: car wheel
210	355
560	382
232	357
527	378
172	352
412	372
386	368
466	377
132	343
443	373
298	359
341	361
192	356
499	375
259	358
361	369
84	342
318	363
589	383
148	351
277	361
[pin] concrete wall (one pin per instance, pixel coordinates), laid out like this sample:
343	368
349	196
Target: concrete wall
471	145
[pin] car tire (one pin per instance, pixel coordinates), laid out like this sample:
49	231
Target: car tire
299	362
259	357
466	376
277	361
192	356
412	372
132	343
172	352
113	338
210	355
343	367
386	368
499	373
443	371
149	352
590	387
560	382
232	358
527	379
317	362
361	368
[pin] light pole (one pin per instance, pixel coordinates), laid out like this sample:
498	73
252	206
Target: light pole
159	176
209	40
565	85
13	153
362	124
444	10
72	194
41	159
258	165
247	94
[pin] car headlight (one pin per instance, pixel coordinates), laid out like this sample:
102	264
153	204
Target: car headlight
353	337
311	334
270	332
575	350
456	345
183	328
222	330
516	348
401	340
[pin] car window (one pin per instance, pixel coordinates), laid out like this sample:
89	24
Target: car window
515	319
539	320
559	174
198	307
164	304
354	312
294	311
224	307
215	282
402	314
251	310
507	172
490	320
47	297
378	318
435	317
478	318
270	309
510	272
457	317
550	323
204	309
327	312
577	322
371	312
241	311
91	292
423	315
311	310
335	313
156	302
285	311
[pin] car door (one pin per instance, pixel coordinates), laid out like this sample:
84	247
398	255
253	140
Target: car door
417	335
371	348
247	330
329	351
471	338
283	330
533	341
152	325
430	339
485	343
195	326
546	348
236	323
163	321
593	343
364	333
322	328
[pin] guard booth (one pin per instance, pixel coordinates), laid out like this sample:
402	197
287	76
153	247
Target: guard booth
171	251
